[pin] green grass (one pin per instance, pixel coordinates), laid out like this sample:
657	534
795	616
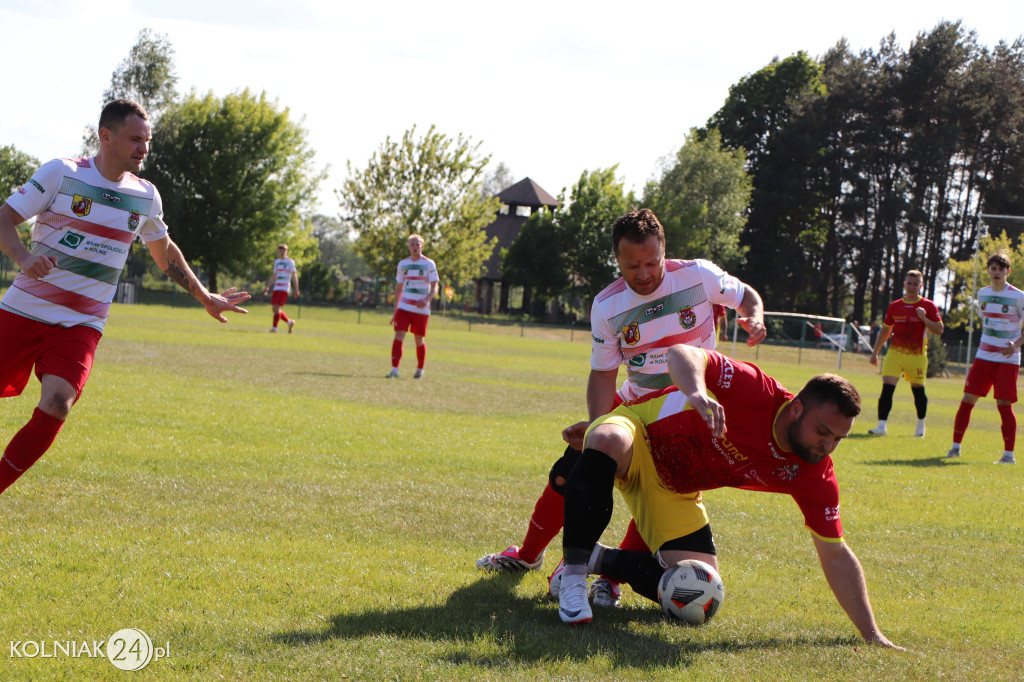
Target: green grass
272	508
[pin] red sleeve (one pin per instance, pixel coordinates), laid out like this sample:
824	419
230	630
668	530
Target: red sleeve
733	382
818	499
932	311
889	320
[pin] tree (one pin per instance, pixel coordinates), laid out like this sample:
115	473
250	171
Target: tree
701	199
970	275
429	186
145	76
499	179
15	169
534	260
235	175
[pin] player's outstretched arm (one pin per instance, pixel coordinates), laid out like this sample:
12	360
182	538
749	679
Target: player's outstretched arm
686	366
170	259
846	578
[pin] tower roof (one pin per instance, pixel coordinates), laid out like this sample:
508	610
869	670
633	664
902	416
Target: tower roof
526	192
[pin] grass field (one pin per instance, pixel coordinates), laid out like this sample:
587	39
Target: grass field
269	507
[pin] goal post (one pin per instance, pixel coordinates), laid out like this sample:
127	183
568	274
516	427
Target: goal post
801	331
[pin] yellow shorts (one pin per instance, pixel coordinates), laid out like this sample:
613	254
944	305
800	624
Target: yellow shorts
913	366
660	514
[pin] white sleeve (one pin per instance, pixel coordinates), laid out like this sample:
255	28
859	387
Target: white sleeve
154	227
36	195
605	351
722	288
432	277
400	277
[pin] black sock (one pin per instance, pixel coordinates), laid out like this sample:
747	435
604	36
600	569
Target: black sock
589	491
920	401
885	401
639	570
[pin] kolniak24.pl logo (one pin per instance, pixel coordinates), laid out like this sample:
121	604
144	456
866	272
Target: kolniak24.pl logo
128	649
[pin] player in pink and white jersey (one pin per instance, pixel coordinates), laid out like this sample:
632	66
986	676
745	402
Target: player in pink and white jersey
417	286
88	212
654	305
997	363
283	274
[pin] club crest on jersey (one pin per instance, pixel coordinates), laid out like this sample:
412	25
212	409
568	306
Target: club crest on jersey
631	334
687	318
1006	308
80	205
71	239
133	219
638	360
787	473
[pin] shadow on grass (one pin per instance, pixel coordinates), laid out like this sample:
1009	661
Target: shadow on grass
527	630
925	462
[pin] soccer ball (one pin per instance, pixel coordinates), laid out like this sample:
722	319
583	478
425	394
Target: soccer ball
691	591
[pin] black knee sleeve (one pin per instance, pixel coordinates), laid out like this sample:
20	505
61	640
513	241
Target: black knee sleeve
920	401
589	498
562	467
885	401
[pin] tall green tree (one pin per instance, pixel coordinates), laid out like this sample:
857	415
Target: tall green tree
429	185
701	199
236	175
145	76
15	169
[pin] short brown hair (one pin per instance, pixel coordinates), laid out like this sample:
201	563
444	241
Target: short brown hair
1000	258
117	112
831	389
637	226
914	273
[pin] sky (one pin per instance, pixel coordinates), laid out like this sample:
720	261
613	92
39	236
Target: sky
550	89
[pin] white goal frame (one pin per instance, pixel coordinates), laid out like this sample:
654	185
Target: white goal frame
809	321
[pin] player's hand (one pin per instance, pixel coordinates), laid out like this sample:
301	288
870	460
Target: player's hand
756	331
873	359
921	314
421	303
1008	350
573	435
38	266
710	411
226	302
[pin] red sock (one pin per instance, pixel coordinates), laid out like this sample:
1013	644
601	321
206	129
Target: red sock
421	355
284	318
27	446
548	515
1009	426
632	540
960	422
396	353
277	318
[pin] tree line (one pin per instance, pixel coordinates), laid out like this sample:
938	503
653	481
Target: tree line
820	181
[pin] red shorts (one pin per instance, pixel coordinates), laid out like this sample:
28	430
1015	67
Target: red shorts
279	297
985	374
406	321
66	352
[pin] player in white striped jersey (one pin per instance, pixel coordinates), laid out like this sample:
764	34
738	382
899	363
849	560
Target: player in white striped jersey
88	212
654	305
997	363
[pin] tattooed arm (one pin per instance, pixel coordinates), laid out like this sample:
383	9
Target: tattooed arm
170	259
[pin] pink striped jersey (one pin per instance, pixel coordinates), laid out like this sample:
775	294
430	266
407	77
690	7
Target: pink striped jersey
282	275
416	275
88	223
1001	313
638	330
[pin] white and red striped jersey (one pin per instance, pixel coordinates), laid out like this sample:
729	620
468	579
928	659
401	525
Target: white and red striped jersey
416	275
88	223
282	277
638	330
1001	313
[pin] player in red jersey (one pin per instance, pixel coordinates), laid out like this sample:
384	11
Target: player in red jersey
724	424
908	320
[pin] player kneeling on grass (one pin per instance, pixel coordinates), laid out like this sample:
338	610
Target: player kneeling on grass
724	424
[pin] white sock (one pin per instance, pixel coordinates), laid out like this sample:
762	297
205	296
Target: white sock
1008	454
881	423
574	570
920	423
956	446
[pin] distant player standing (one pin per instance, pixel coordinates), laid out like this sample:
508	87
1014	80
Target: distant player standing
88	212
283	275
997	363
417	286
908	320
